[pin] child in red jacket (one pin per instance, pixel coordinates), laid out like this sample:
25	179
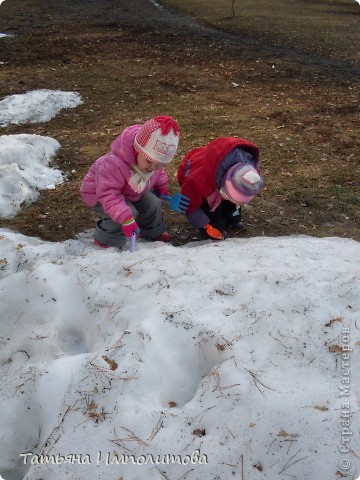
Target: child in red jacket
218	178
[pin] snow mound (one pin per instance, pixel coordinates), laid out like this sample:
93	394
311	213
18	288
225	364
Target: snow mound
24	170
228	355
37	106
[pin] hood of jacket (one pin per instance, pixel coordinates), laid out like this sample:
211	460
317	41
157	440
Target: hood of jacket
123	145
215	152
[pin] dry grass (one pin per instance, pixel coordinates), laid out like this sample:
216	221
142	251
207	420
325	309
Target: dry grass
325	27
302	113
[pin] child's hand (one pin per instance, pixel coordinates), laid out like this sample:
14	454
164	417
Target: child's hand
130	226
161	191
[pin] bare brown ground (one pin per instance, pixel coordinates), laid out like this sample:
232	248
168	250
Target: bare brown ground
130	62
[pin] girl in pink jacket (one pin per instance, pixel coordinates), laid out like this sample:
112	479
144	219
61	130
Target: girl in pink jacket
120	184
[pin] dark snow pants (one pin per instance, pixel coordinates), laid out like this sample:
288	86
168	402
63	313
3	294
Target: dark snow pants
224	216
147	212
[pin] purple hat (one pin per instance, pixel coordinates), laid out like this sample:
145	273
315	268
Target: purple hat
241	183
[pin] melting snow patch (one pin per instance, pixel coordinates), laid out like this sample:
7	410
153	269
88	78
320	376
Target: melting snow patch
37	106
24	170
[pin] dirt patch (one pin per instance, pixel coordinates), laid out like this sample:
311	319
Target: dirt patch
132	62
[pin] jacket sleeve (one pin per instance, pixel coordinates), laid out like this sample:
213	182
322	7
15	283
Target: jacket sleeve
190	188
109	185
162	180
198	218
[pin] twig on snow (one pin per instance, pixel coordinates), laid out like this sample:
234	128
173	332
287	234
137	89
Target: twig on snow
257	381
281	343
163	474
157	427
130	438
237	466
185	474
288	464
202	414
32	377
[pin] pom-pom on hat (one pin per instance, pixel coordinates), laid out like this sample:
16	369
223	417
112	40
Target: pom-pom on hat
158	139
241	183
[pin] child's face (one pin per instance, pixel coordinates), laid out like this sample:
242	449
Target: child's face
145	165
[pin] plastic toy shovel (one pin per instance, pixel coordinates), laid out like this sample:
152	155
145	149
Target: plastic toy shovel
133	242
214	232
178	202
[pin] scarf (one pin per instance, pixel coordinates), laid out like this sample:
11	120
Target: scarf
216	198
139	179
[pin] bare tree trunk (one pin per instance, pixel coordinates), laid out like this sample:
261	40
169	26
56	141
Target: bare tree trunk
233	8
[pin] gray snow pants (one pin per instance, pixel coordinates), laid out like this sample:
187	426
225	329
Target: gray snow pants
147	212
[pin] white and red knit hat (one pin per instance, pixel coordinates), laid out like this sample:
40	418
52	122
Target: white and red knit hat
158	139
241	183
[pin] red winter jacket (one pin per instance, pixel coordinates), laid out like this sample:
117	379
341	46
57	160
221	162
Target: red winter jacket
197	171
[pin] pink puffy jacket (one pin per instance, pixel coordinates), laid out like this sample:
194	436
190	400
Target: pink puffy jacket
107	180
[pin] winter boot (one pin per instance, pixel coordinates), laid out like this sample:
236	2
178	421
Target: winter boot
101	245
164	237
